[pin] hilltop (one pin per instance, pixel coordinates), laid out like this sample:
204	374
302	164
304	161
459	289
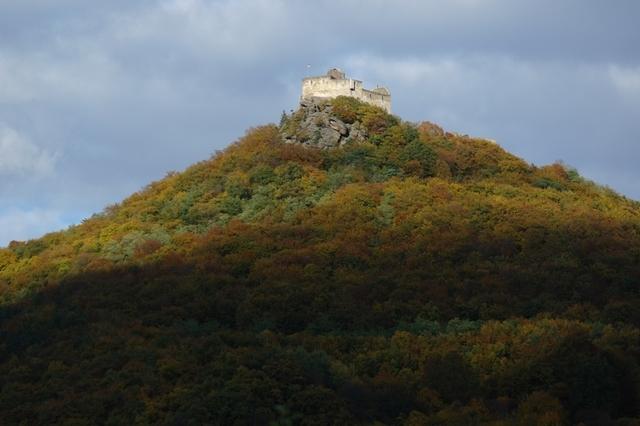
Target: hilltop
345	267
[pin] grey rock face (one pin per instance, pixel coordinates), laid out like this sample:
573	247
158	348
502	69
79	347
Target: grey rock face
357	132
314	124
338	126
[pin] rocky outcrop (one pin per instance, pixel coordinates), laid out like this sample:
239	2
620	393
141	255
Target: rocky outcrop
314	124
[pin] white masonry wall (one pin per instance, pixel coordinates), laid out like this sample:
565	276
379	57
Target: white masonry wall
328	88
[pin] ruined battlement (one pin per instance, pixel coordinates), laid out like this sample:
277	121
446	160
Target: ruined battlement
335	83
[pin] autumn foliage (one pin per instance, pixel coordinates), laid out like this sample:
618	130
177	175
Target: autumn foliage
420	277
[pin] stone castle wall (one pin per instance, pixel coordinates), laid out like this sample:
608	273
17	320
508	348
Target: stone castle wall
328	86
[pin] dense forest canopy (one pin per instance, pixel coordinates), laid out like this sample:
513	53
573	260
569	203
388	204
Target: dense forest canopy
413	277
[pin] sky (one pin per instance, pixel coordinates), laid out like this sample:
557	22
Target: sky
98	99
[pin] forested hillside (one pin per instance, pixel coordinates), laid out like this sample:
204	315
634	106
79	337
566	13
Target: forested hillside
407	276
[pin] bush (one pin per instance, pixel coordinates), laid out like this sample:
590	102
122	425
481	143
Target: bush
346	108
548	183
419	159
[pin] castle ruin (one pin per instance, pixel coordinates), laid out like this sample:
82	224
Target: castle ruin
335	83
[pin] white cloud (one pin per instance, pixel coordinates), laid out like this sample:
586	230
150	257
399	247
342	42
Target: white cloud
239	30
625	79
67	72
19	156
477	87
21	225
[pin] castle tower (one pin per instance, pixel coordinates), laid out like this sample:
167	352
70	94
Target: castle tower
335	83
